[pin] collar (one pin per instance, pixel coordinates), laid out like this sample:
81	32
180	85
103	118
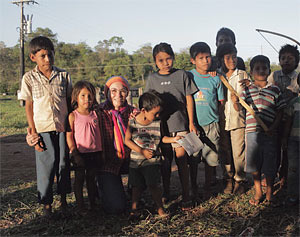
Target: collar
54	72
291	75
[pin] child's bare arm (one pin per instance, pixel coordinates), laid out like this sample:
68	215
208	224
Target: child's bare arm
31	138
147	153
190	111
70	133
235	101
166	139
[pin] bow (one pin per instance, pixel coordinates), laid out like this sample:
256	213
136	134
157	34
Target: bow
278	34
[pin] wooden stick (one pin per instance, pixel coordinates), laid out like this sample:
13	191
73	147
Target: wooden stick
243	103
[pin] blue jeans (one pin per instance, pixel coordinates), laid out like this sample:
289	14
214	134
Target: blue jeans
111	192
52	162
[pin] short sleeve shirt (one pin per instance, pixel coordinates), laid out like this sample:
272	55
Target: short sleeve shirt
265	102
174	88
234	119
206	99
49	98
145	136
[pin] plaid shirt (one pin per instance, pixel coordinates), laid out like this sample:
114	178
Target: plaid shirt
49	98
112	163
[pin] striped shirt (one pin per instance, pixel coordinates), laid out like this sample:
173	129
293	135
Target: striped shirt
145	136
266	102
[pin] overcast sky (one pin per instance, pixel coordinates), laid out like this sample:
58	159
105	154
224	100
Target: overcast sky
178	22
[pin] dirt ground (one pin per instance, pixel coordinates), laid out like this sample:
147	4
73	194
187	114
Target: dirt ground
17	160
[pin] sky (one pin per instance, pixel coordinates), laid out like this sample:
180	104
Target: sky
177	22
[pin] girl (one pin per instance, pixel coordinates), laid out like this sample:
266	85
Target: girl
84	141
176	90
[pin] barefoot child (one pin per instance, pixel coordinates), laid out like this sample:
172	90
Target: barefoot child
47	90
207	102
232	125
84	141
176	90
143	137
265	99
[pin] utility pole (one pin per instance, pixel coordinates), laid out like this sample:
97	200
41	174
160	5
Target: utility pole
23	30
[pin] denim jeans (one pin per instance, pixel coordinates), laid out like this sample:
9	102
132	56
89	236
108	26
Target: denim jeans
112	192
52	162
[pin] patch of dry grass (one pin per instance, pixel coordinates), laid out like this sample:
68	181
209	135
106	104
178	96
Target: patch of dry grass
222	215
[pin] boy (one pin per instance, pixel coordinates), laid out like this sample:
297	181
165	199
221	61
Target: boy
143	137
286	80
232	141
291	142
226	35
207	101
267	103
176	91
47	90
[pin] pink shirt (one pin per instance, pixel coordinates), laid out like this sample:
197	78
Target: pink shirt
87	132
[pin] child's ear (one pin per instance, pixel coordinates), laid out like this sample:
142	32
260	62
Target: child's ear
32	57
193	61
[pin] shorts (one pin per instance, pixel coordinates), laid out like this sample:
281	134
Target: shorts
174	134
145	176
211	144
261	153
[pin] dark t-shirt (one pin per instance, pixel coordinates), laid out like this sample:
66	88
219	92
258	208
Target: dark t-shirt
174	88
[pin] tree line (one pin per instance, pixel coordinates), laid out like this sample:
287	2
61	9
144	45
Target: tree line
96	64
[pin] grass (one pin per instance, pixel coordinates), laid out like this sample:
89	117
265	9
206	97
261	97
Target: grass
12	116
222	215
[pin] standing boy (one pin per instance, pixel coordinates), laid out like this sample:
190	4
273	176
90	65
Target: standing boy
232	124
207	101
286	80
266	101
47	90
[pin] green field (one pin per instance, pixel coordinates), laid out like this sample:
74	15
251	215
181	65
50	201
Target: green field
12	116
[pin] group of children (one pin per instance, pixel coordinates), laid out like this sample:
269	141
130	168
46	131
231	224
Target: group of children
175	103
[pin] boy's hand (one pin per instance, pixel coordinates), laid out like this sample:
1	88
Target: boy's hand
244	83
148	154
37	147
213	73
31	138
76	159
234	98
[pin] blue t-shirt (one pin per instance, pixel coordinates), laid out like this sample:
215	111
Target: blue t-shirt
206	99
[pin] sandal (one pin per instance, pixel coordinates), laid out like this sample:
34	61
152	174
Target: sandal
186	206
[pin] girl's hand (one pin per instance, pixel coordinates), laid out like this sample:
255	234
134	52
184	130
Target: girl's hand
234	98
147	153
193	128
177	138
213	73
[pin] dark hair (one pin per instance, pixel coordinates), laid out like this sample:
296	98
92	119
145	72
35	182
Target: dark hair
149	100
259	59
76	91
163	47
40	42
290	49
227	32
222	50
199	47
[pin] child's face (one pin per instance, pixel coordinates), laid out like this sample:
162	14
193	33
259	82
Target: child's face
152	114
44	59
164	62
84	99
260	71
230	61
287	62
202	62
223	39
